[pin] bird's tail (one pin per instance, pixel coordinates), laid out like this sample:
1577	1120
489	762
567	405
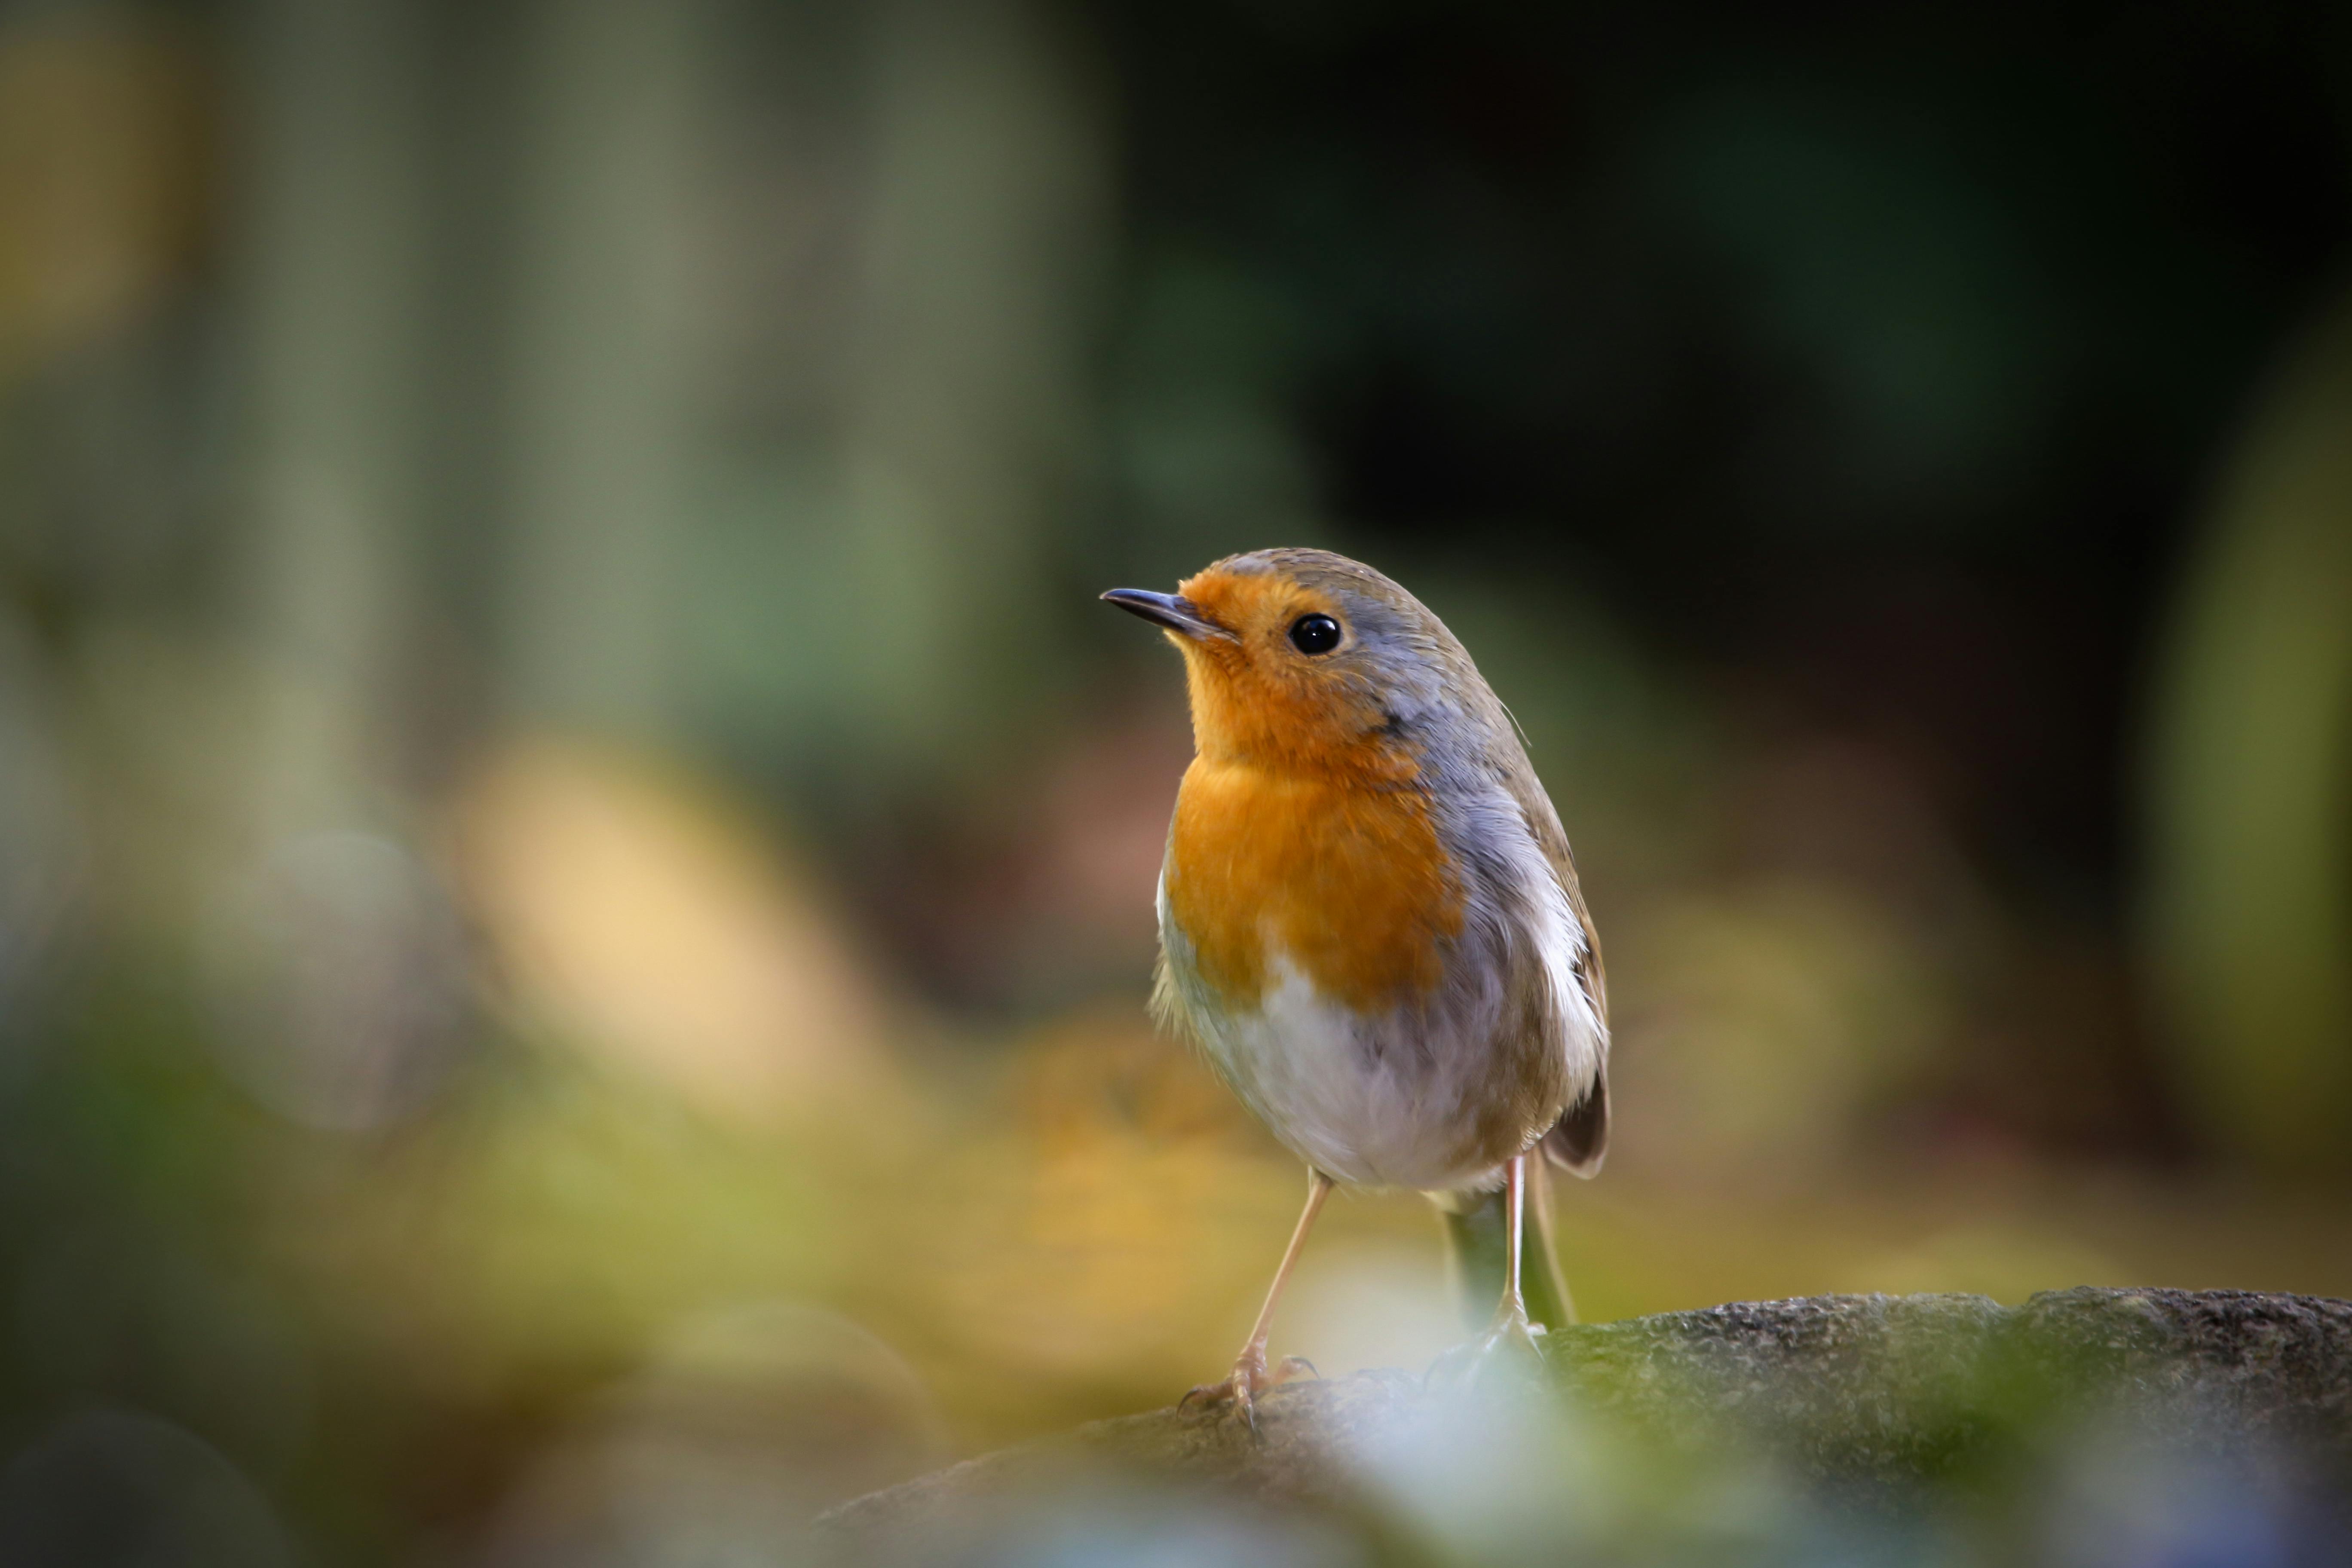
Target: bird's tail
1476	1242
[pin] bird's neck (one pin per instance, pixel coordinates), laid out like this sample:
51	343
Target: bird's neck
1314	735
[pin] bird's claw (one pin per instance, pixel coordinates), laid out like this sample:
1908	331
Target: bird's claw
1250	1378
1511	1338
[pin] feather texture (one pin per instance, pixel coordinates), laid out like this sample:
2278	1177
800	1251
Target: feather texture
1370	917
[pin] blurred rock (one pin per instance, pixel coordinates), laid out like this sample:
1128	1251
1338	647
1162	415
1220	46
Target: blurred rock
1846	1397
1886	1386
1307	1436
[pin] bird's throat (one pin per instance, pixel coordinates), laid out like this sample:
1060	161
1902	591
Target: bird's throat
1342	874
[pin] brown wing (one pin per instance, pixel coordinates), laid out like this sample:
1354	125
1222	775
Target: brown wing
1580	1139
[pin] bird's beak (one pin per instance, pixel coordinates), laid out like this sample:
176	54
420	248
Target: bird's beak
1175	611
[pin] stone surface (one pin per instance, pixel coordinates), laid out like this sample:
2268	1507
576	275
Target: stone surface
1874	1391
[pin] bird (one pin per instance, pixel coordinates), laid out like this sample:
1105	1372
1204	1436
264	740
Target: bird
1371	921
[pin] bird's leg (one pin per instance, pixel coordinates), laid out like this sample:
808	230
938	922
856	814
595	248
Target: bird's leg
1511	1328
1511	1311
1554	1306
1250	1376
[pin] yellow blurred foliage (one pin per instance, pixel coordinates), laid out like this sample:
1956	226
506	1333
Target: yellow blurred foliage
1089	1224
1771	1014
635	918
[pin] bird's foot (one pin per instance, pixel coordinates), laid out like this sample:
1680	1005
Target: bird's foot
1510	1341
1238	1393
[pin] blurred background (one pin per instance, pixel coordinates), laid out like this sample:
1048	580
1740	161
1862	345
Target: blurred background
575	851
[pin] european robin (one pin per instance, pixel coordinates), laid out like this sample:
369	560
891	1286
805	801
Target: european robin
1369	916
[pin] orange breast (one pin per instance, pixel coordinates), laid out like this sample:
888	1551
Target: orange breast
1346	879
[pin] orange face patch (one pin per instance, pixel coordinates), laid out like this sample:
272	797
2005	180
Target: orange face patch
1256	697
1301	827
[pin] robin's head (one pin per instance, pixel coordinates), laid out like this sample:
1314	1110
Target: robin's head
1305	657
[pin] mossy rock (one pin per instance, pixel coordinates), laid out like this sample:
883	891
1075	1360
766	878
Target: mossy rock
1899	1404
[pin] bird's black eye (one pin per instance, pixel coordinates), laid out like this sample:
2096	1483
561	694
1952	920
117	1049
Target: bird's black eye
1315	634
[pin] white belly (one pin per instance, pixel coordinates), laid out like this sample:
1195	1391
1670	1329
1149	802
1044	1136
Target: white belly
1434	1100
1362	1100
1303	1065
